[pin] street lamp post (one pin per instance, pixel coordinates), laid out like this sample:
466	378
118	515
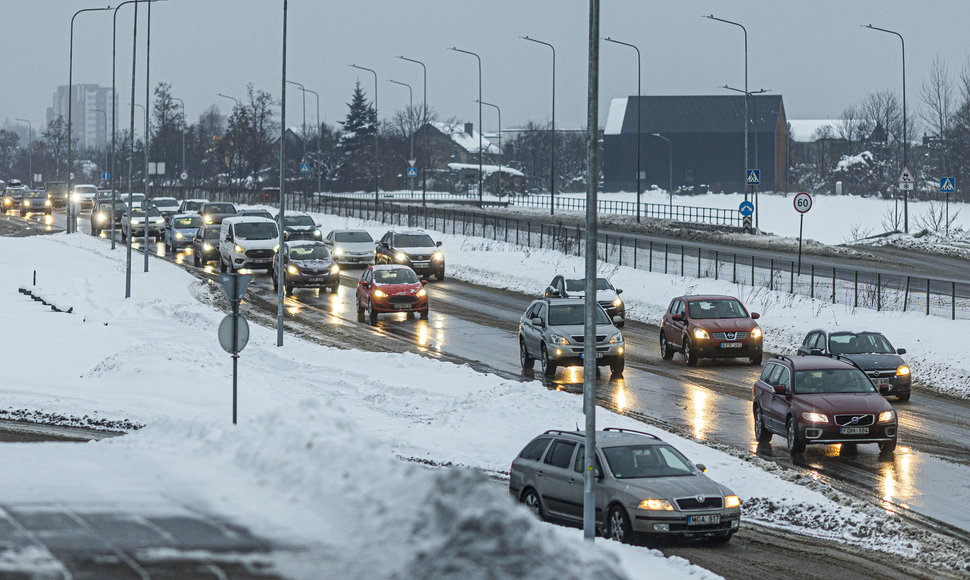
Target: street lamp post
232	164
316	95
424	136
639	92
184	127
105	117
481	152
410	112
145	204
905	136
552	149
148	134
500	151
377	136
131	149
747	94
30	154
670	172
303	137
281	274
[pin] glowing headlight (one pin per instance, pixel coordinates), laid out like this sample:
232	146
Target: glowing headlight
756	332
400	256
75	197
556	339
207	246
422	293
437	256
617	302
335	269
887	416
338	251
700	333
814	417
656	505
178	235
207	218
136	221
102	217
159	220
47	203
732	501
616	338
26	203
238	249
292	269
379	293
902	371
316	233
276	248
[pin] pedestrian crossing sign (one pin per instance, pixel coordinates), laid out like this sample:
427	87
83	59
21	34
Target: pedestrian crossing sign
754	177
948	185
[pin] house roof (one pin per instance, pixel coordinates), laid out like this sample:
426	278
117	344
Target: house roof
693	114
487	169
461	138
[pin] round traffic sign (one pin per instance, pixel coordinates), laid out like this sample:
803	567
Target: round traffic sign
225	334
802	202
184	175
746	208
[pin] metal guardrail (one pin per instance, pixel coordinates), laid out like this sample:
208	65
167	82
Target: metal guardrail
683	213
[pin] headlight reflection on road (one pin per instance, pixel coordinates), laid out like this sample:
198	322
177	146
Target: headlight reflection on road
621	398
699	405
897	478
423	333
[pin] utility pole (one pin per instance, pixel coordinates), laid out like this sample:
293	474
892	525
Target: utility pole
552	147
424	136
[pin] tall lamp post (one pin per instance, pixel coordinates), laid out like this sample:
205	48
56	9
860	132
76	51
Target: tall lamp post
500	151
424	136
232	165
377	136
747	94
281	290
30	153
131	147
552	148
410	112
670	172
303	136
905	136
105	125
481	153
639	92
184	127
145	203
319	130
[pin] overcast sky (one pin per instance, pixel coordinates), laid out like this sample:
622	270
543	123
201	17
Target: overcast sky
812	52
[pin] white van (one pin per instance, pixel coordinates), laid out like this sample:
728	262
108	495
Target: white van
248	242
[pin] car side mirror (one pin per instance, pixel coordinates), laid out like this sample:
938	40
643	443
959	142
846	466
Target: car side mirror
900	351
617	320
424	282
702	467
597	473
437	244
815	352
551	292
677	317
780	389
619	291
537	321
755	316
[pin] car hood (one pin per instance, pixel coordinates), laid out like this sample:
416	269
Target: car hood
255	244
725	324
845	403
398	289
300	228
577	329
312	264
875	361
673	487
187	231
418	251
601	295
355	247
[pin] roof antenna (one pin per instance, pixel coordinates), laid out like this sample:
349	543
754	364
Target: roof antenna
577	425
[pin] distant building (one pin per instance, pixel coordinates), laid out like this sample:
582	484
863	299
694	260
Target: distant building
707	140
454	143
90	126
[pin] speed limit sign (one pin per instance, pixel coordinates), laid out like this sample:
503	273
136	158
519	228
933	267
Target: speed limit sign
803	202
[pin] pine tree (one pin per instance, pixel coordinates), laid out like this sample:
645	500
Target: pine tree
355	148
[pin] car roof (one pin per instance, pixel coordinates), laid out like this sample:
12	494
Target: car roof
166	198
699	297
813	362
296	243
196	199
187	215
345	231
611	437
390	267
240	219
418	232
296	213
558	300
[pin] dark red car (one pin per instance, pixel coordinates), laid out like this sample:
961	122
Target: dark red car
707	326
390	288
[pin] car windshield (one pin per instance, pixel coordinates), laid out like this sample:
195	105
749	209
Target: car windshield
395	276
257	230
256	212
314	252
120	207
220	208
85	189
725	308
36	194
859	343
192	205
188	222
57	187
300	220
413	241
636	461
140	212
832	381
166	201
579	285
211	234
352	237
573	314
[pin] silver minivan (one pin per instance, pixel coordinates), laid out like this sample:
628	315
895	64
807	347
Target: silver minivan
247	242
551	331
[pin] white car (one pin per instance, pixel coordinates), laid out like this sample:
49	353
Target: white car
351	246
247	242
84	195
132	199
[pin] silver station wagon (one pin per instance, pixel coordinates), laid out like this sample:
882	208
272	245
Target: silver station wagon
648	489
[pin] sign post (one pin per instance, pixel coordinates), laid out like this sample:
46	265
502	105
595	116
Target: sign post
234	330
752	178
746	209
906	185
948	185
803	203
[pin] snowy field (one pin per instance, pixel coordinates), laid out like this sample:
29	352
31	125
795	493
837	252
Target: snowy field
315	460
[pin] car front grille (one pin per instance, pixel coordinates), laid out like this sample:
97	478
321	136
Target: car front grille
606	304
859	420
706	503
257	254
729	335
419	257
883	374
581	338
402	300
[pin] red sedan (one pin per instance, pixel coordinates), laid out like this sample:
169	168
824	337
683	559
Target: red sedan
390	288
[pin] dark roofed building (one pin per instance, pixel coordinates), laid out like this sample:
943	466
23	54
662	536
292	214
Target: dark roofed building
707	138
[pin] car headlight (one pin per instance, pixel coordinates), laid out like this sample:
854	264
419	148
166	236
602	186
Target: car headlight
238	249
700	333
338	252
902	371
379	293
556	339
207	218
47	203
437	256
732	501
178	235
75	197
616	338
617	302
335	269
292	269
422	293
661	505
401	257
102	217
136	221
756	332
276	248
27	202
814	417
159	220
887	416
207	246
316	233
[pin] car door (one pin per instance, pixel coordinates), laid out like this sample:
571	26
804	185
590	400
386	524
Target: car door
674	327
574	489
557	477
363	288
776	411
527	330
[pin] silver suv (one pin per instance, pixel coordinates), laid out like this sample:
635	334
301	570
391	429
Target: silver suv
551	330
648	489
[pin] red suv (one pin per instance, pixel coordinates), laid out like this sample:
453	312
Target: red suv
704	326
390	288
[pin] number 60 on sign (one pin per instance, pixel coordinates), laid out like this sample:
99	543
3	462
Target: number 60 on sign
803	202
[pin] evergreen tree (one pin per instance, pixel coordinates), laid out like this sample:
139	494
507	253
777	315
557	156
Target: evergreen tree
355	147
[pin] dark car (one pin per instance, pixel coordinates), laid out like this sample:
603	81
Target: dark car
191	205
645	487
256	212
390	288
702	326
101	216
58	192
415	249
205	245
35	201
871	351
306	264
13	194
299	226
606	295
214	212
820	400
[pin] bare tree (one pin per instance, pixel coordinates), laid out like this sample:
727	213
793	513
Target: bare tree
937	97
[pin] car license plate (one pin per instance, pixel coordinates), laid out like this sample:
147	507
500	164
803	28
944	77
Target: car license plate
314	280
854	430
704	520
730	345
402	306
881	382
598	355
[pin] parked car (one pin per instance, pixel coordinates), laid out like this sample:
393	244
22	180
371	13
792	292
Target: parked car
820	400
247	242
58	192
299	225
180	229
101	216
645	487
133	199
168	206
214	212
351	246
306	264
35	201
412	248
205	245
390	288
83	195
134	220
191	205
256	212
871	351
551	330
705	326
606	295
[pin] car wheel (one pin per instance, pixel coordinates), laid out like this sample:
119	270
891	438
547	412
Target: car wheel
689	357
360	312
276	284
531	500
440	275
666	349
904	397
887	447
795	444
548	367
196	260
617	367
527	362
423	314
761	433
222	265
334	288
373	316
618	526
756	360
